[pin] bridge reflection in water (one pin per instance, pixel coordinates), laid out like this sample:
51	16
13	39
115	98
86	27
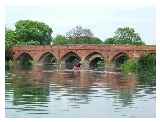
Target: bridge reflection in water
41	92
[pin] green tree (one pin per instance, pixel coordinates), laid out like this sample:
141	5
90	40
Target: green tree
79	35
130	66
10	41
84	40
146	69
10	38
125	35
109	41
78	32
33	32
59	39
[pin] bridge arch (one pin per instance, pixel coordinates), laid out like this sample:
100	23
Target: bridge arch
24	55
152	53
70	59
95	60
47	58
120	58
24	59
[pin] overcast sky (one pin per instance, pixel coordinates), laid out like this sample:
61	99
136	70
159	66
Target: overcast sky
102	20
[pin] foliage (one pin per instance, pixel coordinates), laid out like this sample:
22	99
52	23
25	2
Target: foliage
79	32
121	60
27	32
28	43
109	41
125	35
59	39
147	62
31	32
79	35
10	38
85	40
147	69
129	66
100	64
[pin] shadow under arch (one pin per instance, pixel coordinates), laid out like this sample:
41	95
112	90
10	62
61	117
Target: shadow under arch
48	61
47	58
70	59
95	60
25	60
120	58
152	53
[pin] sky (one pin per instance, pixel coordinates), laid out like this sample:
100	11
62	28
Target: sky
102	20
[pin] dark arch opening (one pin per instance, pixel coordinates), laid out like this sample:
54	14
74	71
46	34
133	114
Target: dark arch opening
25	61
71	59
96	61
154	54
120	59
48	60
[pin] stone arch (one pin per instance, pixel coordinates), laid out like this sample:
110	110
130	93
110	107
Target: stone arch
120	58
25	60
24	55
70	59
152	53
47	58
95	60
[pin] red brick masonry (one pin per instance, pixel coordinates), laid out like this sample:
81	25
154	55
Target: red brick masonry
108	52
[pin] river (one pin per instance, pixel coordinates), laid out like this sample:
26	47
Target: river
42	92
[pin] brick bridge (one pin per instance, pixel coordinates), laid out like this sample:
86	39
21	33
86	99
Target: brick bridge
88	55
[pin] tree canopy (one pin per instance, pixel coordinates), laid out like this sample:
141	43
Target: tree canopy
125	35
10	41
79	32
10	38
28	32
79	35
85	40
60	40
33	32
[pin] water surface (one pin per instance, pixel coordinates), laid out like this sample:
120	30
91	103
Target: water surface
40	92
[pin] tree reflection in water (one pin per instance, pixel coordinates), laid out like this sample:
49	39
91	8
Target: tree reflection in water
39	87
29	92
